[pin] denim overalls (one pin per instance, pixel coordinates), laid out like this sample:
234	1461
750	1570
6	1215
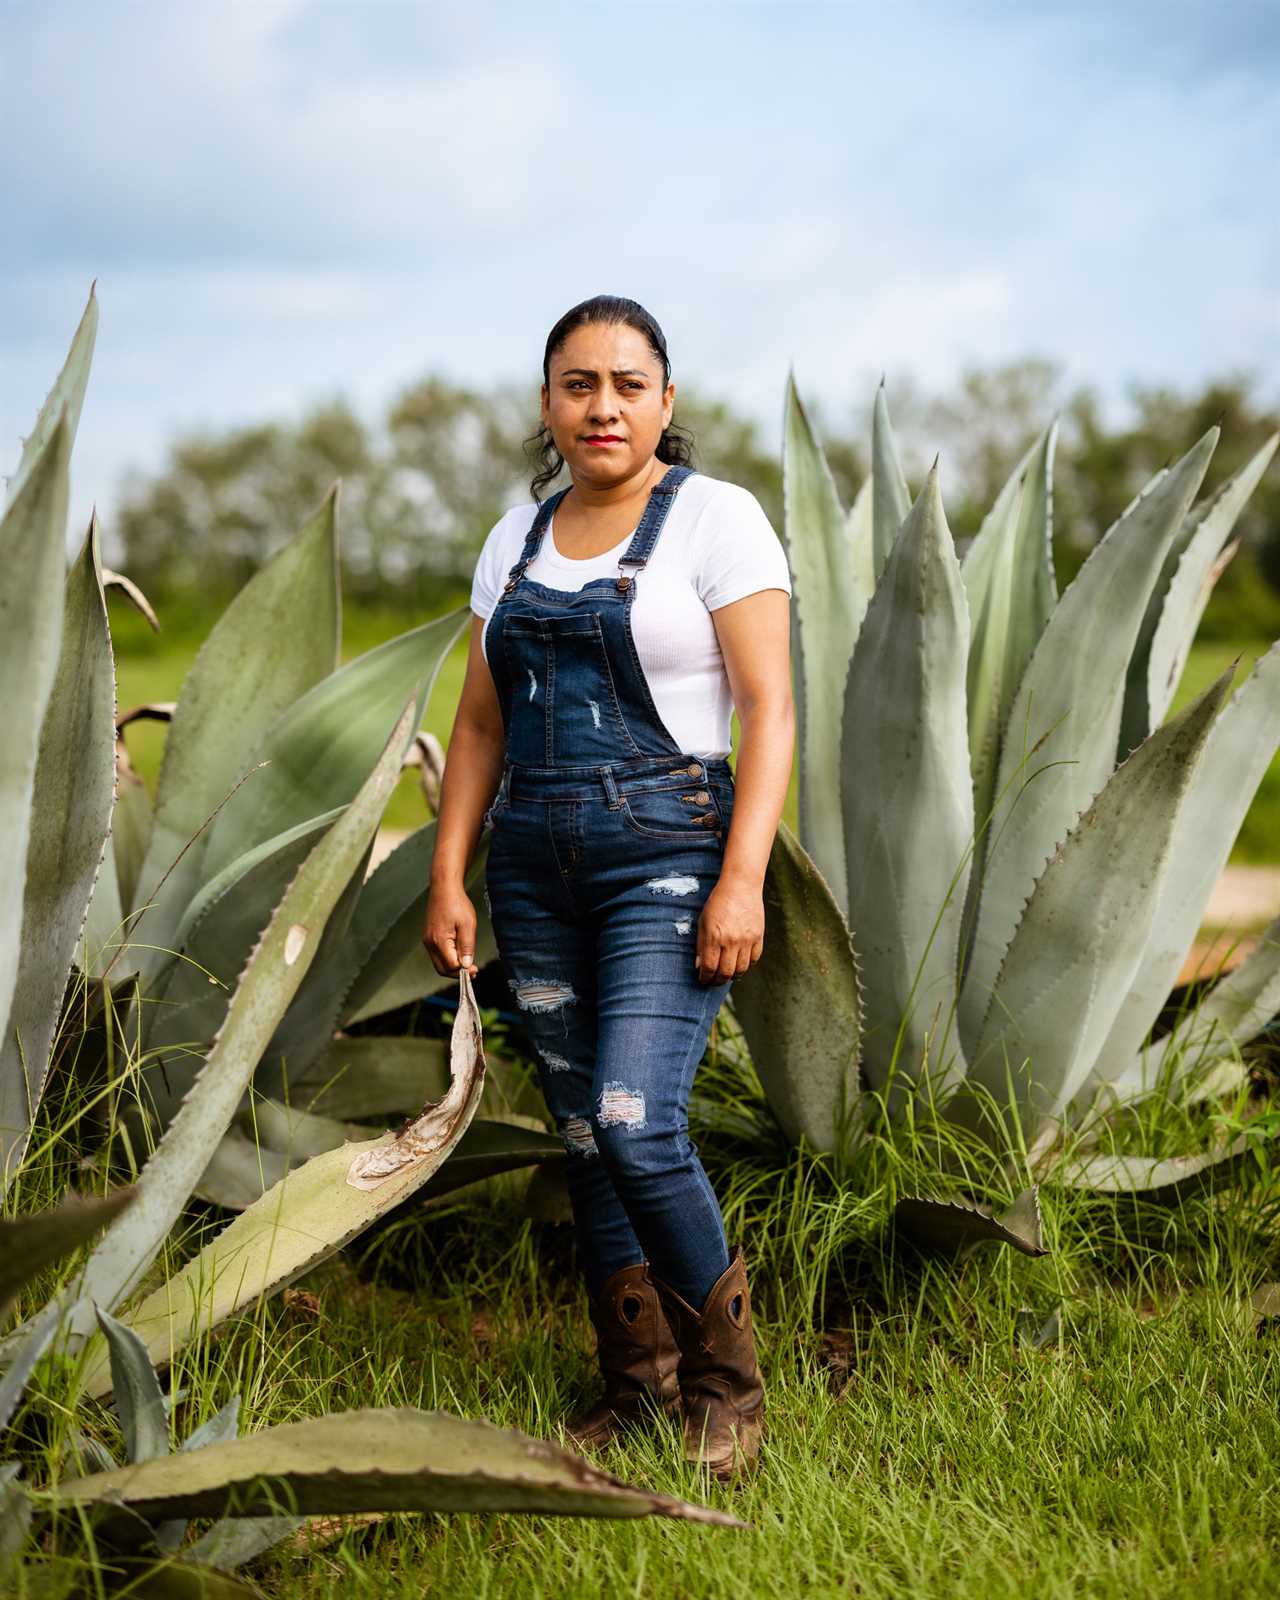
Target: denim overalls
606	840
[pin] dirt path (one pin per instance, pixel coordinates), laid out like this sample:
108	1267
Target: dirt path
1245	897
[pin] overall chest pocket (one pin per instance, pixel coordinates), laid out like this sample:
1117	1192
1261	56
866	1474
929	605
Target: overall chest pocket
559	672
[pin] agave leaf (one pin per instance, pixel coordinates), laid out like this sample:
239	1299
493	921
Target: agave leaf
1173	613
104	922
130	590
1034	1334
276	640
15	1522
829	599
62	404
223	1424
1238	1006
309	1214
22	1350
131	822
385	934
234	1540
30	1243
1162	1181
1060	742
270	980
371	1076
222	923
241	1171
70	815
952	1225
84	1454
399	971
411	978
236	876
225	921
908	803
136	1390
1264	1303
299	1133
107	924
392	1460
320	748
31	557
489	1148
890	497
861	536
800	1006
1009	581
1081	938
1238	752
398	883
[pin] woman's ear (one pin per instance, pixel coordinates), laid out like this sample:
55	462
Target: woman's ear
543	394
668	404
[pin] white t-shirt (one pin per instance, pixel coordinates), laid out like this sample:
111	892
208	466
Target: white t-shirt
715	547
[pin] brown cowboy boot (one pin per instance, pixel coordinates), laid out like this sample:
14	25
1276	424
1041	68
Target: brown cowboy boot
637	1356
720	1380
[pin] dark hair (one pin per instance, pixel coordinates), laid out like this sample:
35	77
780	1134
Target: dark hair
675	447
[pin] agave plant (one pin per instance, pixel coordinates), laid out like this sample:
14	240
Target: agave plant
236	912
269	741
266	748
1005	850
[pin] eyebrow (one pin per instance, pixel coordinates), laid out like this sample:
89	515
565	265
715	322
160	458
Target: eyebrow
618	372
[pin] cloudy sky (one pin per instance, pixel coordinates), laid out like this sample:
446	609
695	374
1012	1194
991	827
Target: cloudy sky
284	200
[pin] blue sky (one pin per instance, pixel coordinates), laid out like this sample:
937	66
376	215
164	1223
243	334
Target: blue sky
284	200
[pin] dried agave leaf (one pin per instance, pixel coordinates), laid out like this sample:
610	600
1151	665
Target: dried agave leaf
428	1134
312	1212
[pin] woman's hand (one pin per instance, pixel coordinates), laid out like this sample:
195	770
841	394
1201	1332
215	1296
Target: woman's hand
730	930
449	930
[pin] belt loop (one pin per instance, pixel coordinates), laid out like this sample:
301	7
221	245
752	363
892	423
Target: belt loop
610	788
504	788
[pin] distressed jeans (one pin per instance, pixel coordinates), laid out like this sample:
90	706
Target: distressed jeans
595	881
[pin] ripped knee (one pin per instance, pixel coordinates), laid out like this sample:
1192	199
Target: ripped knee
542	994
578	1137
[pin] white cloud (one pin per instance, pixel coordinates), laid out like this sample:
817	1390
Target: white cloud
289	200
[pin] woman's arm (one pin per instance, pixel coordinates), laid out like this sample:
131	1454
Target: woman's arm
472	771
754	635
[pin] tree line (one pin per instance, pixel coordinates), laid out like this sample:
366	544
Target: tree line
424	484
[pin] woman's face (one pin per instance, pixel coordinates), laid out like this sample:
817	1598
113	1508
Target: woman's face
605	404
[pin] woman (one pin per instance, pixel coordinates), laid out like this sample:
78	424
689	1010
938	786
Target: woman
617	624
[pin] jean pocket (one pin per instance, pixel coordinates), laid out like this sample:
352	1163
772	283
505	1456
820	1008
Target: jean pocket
689	814
501	802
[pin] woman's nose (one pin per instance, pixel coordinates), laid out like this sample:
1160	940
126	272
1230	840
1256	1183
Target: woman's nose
604	405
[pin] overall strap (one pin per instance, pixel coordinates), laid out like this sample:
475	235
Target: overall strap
533	539
659	503
638	551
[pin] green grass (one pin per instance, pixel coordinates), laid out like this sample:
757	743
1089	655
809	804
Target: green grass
916	1447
